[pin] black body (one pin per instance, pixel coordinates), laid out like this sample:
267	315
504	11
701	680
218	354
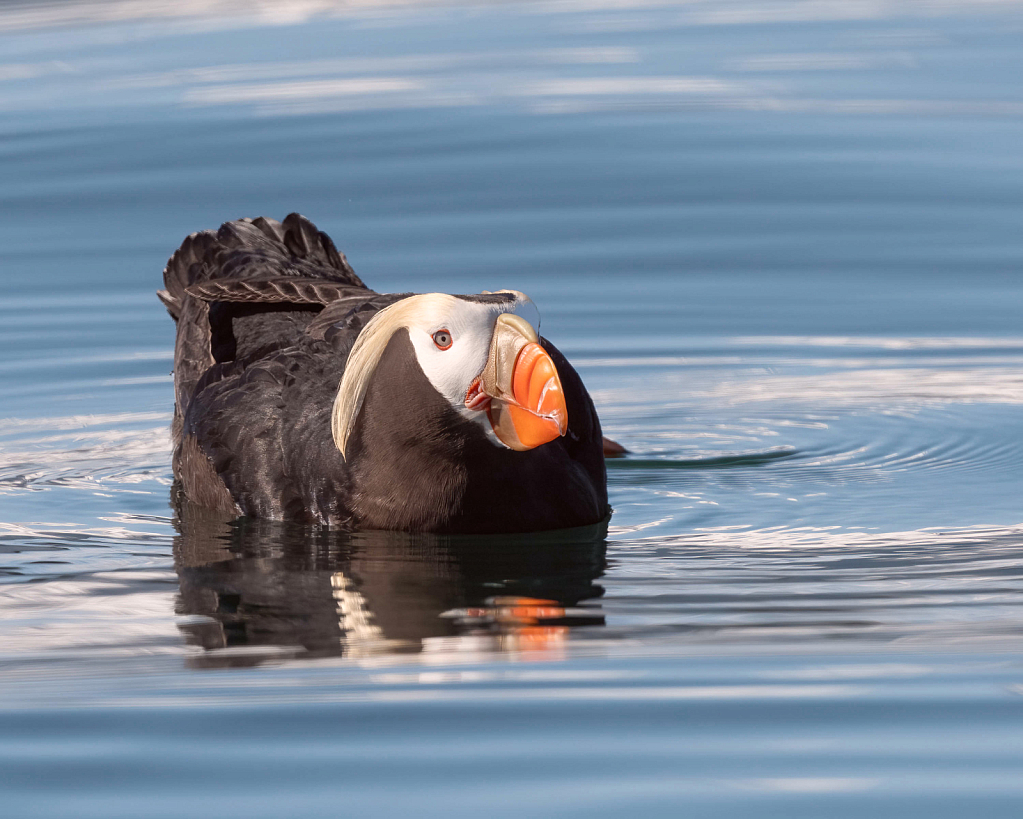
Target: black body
267	313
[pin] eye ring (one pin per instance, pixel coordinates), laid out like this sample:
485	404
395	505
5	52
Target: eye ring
443	339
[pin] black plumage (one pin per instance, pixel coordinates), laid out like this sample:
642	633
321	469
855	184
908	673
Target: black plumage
267	313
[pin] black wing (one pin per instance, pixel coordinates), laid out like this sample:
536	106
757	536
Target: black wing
249	288
250	250
257	303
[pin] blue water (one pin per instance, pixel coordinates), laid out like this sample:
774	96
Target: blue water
780	242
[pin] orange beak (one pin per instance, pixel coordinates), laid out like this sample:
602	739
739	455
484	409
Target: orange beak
527	406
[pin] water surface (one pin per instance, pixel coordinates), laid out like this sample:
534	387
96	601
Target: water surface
781	245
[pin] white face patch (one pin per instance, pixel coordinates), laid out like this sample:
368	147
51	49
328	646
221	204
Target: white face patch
451	371
471	327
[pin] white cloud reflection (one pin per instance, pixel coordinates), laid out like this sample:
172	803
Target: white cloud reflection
824	61
292	12
309	89
612	76
415	63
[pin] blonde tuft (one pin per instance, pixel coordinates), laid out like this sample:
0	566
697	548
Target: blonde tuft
366	354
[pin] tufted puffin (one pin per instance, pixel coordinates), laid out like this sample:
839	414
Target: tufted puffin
301	394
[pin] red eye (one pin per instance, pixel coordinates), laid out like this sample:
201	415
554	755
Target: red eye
442	338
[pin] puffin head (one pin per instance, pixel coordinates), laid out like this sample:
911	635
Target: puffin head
481	353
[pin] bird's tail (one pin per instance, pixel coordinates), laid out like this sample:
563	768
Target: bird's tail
248	255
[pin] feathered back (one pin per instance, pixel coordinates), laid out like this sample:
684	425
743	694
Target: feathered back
252	266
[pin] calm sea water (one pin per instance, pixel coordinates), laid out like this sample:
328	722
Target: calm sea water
781	243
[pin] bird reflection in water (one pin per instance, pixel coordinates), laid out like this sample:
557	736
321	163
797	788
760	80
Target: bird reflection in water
256	590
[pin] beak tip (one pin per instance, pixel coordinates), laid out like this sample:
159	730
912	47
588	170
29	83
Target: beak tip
529	407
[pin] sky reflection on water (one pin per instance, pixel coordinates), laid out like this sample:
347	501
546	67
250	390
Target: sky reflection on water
779	241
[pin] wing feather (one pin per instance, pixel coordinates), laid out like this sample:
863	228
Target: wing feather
278	290
217	279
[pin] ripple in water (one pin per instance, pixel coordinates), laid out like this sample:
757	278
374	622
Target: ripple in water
790	294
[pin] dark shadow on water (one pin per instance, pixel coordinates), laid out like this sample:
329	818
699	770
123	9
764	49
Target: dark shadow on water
254	591
710	462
